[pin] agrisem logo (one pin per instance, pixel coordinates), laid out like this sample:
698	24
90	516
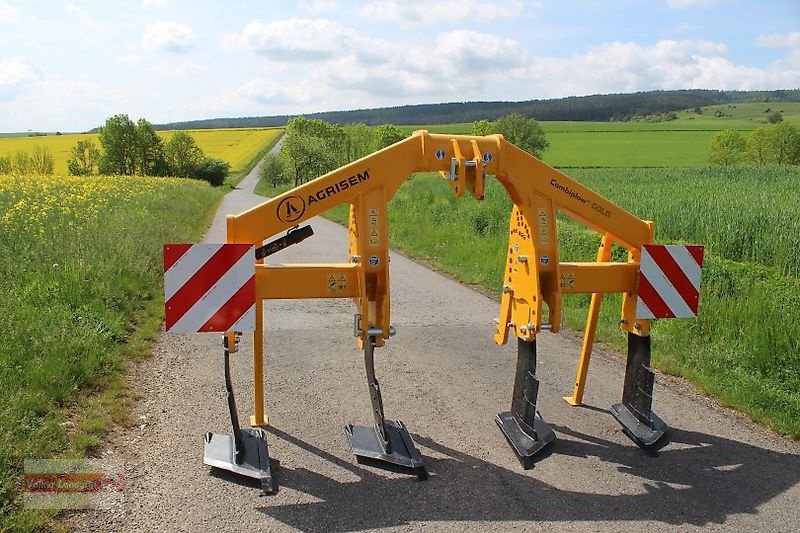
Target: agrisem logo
291	208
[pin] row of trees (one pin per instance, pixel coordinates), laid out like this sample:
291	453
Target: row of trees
595	108
778	144
128	148
39	161
313	147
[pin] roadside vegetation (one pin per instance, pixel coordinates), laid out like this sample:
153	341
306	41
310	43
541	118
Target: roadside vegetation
81	277
745	346
80	291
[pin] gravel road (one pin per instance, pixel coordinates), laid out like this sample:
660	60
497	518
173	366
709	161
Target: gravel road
444	377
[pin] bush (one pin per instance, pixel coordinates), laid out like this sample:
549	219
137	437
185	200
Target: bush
212	170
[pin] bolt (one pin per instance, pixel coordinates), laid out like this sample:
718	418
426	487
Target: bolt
636	325
523	259
507	289
355	259
523	329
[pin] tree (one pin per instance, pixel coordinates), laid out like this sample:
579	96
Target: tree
775	117
118	139
212	170
42	161
149	150
727	147
387	135
523	132
182	155
307	157
785	144
359	141
273	170
759	147
482	127
84	158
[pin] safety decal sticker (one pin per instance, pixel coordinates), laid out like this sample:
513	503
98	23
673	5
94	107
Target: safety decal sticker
669	281
209	287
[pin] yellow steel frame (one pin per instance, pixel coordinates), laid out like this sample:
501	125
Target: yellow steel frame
533	273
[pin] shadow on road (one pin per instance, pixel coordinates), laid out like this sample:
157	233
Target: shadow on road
696	479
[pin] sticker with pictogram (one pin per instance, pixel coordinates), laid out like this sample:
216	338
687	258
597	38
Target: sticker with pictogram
209	287
669	281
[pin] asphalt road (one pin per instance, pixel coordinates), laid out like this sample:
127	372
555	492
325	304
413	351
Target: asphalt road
444	377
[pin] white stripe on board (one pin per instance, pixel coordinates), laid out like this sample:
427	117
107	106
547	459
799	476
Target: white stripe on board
247	322
222	291
186	267
642	311
686	263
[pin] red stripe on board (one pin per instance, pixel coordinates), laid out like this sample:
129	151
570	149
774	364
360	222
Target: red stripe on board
652	300
675	275
202	280
173	252
233	309
697	253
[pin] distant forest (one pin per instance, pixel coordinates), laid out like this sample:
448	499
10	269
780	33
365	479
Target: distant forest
605	107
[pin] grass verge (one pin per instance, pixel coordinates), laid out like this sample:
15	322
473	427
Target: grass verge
80	292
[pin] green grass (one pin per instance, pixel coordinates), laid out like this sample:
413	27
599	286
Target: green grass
683	142
745	346
80	292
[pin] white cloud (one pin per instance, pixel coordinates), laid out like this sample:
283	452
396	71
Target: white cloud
410	13
8	13
629	67
683	4
296	39
789	40
318	7
17	74
168	36
83	16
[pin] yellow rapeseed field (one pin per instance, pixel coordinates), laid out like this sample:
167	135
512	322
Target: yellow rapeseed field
236	146
33	205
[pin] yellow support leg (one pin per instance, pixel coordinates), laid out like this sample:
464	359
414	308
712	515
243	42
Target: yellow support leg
603	255
586	351
259	419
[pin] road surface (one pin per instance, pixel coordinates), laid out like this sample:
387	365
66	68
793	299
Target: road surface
444	377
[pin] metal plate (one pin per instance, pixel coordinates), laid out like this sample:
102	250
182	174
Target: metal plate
365	442
525	445
219	451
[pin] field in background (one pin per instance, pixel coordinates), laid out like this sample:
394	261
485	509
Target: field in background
80	289
236	146
683	142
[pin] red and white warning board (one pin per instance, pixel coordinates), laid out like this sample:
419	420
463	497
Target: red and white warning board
209	287
669	281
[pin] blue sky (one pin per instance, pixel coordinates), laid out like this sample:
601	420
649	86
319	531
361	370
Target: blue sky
68	65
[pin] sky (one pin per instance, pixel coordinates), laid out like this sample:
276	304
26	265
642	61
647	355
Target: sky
67	66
